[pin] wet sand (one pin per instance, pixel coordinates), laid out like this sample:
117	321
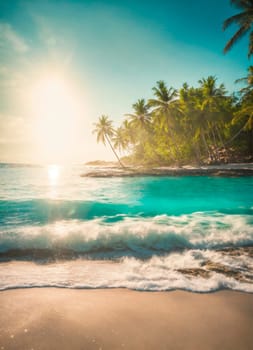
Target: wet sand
50	318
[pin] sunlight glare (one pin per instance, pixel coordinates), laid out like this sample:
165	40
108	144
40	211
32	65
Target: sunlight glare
53	172
57	113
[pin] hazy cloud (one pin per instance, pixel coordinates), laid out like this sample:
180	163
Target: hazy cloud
10	39
14	53
48	34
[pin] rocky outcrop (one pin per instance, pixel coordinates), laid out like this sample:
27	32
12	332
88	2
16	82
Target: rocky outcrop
230	170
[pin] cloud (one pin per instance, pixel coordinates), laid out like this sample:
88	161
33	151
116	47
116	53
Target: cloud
10	39
46	33
14	58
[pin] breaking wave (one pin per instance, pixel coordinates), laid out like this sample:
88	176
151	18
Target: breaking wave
192	270
117	236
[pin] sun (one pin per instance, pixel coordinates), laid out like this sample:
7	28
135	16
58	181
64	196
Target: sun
53	172
56	110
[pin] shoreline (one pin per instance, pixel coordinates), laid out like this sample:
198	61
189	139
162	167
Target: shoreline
226	170
52	318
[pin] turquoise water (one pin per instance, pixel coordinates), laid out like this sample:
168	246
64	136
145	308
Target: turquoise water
142	233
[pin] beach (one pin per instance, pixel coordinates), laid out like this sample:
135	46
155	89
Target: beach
131	262
126	199
50	318
227	170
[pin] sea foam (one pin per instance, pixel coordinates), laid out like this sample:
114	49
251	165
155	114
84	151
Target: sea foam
141	237
145	233
155	274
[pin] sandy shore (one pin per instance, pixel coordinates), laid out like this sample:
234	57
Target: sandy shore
121	319
233	169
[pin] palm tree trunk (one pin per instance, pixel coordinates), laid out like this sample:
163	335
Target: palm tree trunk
205	143
197	152
219	136
174	143
212	144
214	136
216	153
226	153
235	136
108	140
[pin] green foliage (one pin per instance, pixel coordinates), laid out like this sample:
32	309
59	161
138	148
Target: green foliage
103	129
244	21
105	132
190	125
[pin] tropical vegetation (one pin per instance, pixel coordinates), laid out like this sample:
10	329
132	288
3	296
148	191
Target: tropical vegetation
244	21
105	133
192	124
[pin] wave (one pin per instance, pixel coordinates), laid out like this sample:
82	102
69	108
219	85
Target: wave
120	235
192	270
42	211
20	165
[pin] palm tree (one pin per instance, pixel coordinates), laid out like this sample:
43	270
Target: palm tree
138	126
105	132
165	108
196	119
190	123
243	111
163	105
244	20
245	114
248	80
129	133
213	107
119	139
210	91
243	117
140	118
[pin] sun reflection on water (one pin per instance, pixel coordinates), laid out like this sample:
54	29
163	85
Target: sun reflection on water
53	173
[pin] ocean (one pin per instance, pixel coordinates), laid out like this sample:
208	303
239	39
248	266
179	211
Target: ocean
58	229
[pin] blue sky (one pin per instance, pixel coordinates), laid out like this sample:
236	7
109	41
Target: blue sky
110	53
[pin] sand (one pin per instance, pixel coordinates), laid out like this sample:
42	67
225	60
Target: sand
227	170
50	318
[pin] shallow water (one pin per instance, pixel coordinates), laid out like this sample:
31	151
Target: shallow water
148	233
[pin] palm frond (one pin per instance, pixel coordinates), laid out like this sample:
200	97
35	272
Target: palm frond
236	19
241	4
250	49
238	35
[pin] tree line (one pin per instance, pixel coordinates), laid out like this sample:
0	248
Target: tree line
192	124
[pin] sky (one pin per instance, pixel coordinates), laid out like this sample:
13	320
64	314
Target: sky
64	63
